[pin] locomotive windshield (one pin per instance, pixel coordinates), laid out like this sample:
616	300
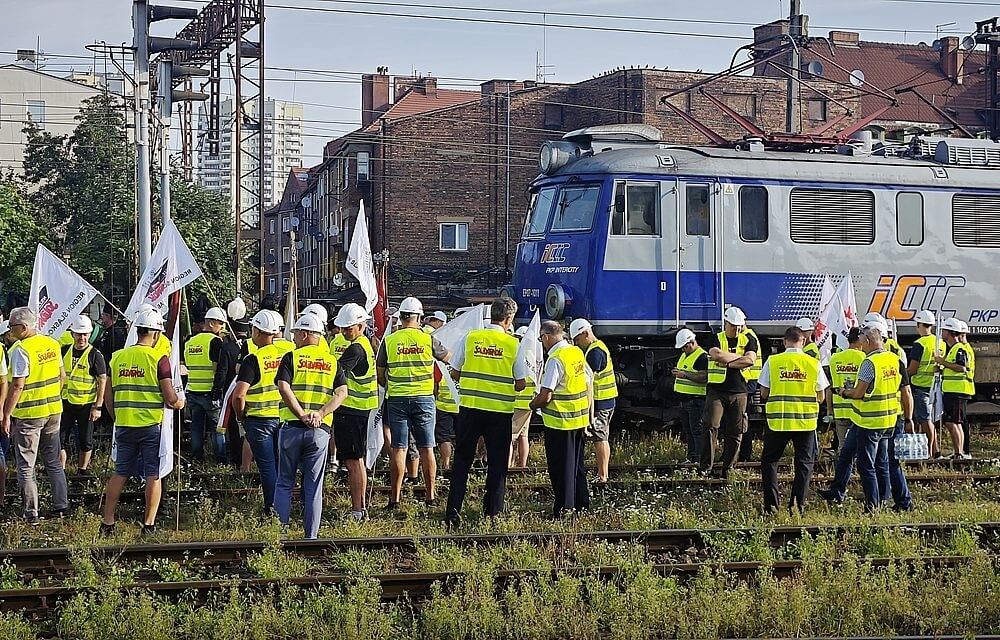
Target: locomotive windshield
576	208
541	207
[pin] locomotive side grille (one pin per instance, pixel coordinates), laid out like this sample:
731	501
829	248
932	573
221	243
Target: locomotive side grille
975	220
832	216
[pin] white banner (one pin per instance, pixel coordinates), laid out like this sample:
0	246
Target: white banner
167	426
170	268
838	318
58	294
530	350
452	336
822	335
359	261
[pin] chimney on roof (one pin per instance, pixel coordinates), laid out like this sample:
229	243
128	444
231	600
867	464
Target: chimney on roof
490	87
374	95
420	84
952	59
845	39
766	38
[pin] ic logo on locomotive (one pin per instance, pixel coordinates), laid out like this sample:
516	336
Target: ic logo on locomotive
554	253
900	297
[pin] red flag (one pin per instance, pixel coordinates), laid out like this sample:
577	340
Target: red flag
379	312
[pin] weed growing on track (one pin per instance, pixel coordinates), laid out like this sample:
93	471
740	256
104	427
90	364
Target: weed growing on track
275	563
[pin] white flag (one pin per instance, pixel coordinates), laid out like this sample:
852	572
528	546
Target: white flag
167	425
840	316
530	349
58	294
170	268
452	336
823	335
359	260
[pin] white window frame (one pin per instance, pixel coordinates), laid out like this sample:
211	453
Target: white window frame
27	110
270	285
363	160
286	255
271	226
286	224
458	248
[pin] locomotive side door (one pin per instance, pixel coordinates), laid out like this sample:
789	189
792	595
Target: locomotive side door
698	293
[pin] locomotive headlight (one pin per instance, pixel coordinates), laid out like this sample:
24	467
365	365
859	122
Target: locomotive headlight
555	155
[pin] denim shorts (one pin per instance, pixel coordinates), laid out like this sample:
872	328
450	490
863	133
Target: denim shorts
414	414
921	404
136	442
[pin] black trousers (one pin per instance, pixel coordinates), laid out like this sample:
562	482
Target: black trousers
564	458
494	428
76	424
725	416
775	442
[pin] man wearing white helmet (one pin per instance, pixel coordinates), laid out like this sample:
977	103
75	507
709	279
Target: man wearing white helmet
875	319
350	428
405	366
605	391
808	328
734	351
141	385
435	321
690	378
206	384
922	370
83	395
319	310
958	382
256	399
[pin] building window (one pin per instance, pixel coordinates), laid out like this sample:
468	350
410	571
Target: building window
284	285
553	116
270	226
286	254
270	255
576	208
270	285
817	110
364	160
636	210
286	224
698	210
910	219
36	111
753	214
832	216
453	236
975	220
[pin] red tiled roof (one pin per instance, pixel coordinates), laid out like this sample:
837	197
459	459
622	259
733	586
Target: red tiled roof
415	102
890	66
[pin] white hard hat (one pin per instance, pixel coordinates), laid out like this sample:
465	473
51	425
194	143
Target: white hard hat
805	324
82	324
965	327
439	315
684	337
881	325
266	322
952	324
925	317
872	318
149	319
351	314
279	319
237	309
578	326
317	310
309	322
735	316
4	326
216	313
520	331
411	305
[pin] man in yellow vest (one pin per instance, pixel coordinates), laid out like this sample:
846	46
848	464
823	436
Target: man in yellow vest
33	409
605	391
690	379
83	394
4	438
405	366
792	384
435	321
311	387
922	369
565	397
141	386
256	399
808	329
320	311
350	426
733	354
520	446
843	372
445	419
491	375
966	426
206	384
958	382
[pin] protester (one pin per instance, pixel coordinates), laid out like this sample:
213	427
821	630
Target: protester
207	371
83	395
520	446
4	438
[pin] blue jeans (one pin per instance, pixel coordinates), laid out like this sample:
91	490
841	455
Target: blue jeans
845	463
203	419
262	436
896	485
873	463
415	414
300	447
692	408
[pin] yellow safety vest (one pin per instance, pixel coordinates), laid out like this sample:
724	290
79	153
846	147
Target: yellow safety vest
428	329
338	345
893	347
844	367
201	369
717	372
605	386
791	401
135	387
252	346
263	398
81	387
525	396
927	368
570	407
313	371
65	339
443	399
752	372
955	382
488	372
284	345
42	395
410	359
162	345
880	406
686	363
362	393
811	350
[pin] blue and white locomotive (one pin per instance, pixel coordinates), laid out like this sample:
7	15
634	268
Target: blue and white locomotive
643	237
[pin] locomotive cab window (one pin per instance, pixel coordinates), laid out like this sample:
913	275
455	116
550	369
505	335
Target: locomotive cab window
698	210
636	209
575	208
753	214
538	214
910	219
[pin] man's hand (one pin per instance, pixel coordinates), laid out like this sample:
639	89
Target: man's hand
5	426
180	404
679	374
939	359
312	420
216	405
95	414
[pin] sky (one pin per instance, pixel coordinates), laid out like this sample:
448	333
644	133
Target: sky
473	52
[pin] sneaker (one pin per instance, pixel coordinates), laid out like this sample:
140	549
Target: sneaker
57	514
359	516
431	503
829	496
84	472
107	529
938	456
392	506
966	456
148	530
32	521
452	522
902	508
409	480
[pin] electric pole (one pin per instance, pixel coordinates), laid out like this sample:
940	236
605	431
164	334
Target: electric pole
798	31
167	74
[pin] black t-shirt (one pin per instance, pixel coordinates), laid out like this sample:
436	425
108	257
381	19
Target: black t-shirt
735	383
249	370
97	366
701	363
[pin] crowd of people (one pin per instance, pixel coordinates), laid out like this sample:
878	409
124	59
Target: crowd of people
296	405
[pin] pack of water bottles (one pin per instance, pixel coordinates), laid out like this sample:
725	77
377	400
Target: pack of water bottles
912	446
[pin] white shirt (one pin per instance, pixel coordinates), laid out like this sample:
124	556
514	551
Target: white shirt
3	363
553	373
458	358
765	375
19	363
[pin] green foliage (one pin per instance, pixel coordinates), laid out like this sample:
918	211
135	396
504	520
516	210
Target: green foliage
19	232
205	222
274	563
15	627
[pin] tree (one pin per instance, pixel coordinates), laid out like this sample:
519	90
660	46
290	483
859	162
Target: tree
204	220
19	233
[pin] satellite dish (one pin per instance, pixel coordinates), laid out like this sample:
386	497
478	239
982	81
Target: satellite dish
299	244
969	43
307	200
857	78
815	68
937	46
338	280
295	221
